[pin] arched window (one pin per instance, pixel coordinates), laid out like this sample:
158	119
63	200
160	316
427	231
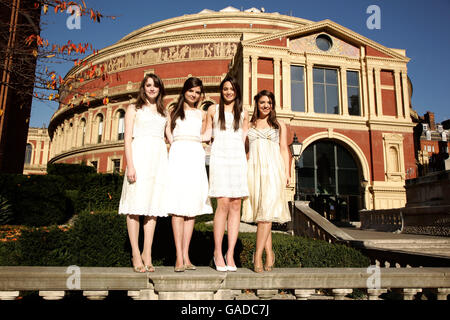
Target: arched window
100	128
329	177
121	125
28	152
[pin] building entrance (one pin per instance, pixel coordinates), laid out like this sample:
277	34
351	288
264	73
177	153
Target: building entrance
329	177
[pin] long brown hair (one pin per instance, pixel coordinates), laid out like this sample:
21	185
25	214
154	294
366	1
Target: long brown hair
178	109
142	97
237	108
272	118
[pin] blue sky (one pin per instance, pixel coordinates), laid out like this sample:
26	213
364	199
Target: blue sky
420	27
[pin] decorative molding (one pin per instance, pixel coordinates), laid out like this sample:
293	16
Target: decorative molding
330	25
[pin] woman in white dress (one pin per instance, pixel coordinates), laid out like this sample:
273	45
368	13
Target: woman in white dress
145	175
227	168
187	181
268	176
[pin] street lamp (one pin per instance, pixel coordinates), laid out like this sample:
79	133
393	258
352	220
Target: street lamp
296	150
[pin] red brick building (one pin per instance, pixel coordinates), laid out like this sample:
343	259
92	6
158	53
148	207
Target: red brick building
346	98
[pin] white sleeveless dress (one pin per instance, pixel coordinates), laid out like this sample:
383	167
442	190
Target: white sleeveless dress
187	181
228	162
149	151
266	179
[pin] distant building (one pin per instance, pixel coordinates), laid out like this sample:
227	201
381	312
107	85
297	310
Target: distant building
432	142
346	97
37	151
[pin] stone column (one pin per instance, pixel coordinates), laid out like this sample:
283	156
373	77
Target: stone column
398	94
108	122
364	91
245	81
371	93
286	90
254	75
343	89
276	82
37	153
405	94
309	88
378	92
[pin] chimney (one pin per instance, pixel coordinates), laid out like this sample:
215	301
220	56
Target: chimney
429	118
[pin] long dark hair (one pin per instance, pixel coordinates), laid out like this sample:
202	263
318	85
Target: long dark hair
272	118
142	97
237	108
178	109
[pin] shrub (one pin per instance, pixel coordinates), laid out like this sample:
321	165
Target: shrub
6	213
99	239
99	192
64	169
36	200
48	246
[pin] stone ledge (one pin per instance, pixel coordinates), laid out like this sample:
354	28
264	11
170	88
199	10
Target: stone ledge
206	279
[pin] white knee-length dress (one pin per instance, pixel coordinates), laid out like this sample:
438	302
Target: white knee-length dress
228	162
146	195
187	181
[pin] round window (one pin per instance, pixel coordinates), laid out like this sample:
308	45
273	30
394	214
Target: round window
324	42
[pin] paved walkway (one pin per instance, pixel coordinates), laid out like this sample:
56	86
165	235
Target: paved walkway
367	234
416	243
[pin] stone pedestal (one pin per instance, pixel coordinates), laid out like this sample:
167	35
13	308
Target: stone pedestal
52	295
95	295
304	294
373	294
9	295
339	294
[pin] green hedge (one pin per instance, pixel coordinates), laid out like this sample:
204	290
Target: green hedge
36	200
101	239
43	200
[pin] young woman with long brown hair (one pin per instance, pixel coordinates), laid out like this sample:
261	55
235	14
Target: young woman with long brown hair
145	174
227	168
187	182
268	175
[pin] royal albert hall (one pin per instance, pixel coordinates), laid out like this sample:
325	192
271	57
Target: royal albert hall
345	97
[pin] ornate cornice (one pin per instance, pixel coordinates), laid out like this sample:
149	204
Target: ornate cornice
342	31
215	17
90	148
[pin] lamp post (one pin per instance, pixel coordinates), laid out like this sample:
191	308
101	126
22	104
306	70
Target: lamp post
296	150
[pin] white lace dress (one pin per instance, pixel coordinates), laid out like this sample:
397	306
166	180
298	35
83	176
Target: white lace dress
228	162
187	181
149	152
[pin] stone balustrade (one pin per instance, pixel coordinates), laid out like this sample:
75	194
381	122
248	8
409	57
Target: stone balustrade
308	223
206	283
